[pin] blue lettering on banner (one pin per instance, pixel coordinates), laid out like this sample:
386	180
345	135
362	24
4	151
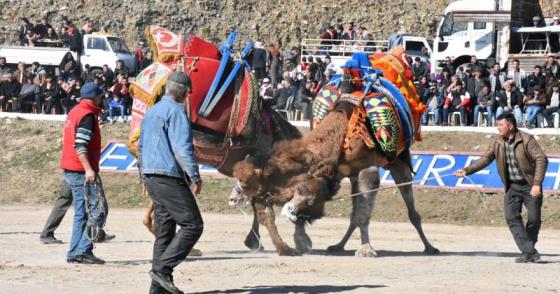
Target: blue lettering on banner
432	170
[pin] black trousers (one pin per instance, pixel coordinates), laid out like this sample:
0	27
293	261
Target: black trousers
525	236
174	205
59	210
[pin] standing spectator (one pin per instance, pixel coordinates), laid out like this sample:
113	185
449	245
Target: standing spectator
321	67
88	28
434	102
274	64
87	75
458	100
518	76
51	94
496	78
485	102
38	72
418	69
476	65
80	161
536	79
43	28
21	73
109	76
534	102
522	166
30	93
551	67
167	184
478	82
72	94
469	81
25	27
147	60
444	81
327	40
510	99
9	90
74	40
69	67
553	104
258	61
4	69
349	34
121	69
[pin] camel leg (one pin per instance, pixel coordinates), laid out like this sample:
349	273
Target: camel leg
401	173
265	216
362	208
252	241
149	218
301	239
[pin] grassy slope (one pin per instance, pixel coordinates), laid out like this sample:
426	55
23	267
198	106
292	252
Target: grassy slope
29	174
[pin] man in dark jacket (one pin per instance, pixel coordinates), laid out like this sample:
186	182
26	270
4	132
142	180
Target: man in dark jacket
258	61
536	79
9	90
418	69
510	99
522	166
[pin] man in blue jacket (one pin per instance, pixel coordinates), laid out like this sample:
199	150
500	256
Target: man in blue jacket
166	153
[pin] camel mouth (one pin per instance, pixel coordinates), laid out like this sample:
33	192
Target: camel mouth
289	211
237	202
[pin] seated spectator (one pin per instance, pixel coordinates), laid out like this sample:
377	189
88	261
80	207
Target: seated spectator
434	102
457	100
9	90
147	60
69	67
38	72
266	91
29	94
108	75
553	104
418	69
31	38
518	76
51	35
116	103
89	27
510	99
536	79
327	39
120	90
72	96
51	94
87	75
25	27
534	102
444	81
305	97
423	88
120	69
42	28
282	94
485	102
551	67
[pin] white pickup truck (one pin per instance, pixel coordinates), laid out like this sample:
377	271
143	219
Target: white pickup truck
98	49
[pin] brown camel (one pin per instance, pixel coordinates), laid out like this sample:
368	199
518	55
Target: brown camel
302	174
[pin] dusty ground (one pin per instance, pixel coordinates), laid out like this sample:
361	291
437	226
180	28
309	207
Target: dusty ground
473	260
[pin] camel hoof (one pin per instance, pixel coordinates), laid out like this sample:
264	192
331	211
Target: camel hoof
431	251
303	243
289	252
366	251
335	249
252	242
195	252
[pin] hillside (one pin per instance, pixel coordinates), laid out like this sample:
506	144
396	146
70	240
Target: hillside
280	21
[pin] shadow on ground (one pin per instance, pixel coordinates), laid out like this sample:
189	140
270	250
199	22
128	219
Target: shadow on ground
298	289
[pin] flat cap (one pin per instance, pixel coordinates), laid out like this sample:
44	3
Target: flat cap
181	78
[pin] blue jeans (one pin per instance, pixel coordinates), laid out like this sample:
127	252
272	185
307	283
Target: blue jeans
437	116
516	112
79	243
489	114
532	112
112	109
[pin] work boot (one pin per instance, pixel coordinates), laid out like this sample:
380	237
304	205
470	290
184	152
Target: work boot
104	237
87	258
165	281
526	258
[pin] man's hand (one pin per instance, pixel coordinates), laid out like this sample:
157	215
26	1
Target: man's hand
144	190
461	173
197	187
536	191
90	175
446	106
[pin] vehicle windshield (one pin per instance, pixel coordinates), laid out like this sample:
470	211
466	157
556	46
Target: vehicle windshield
117	45
448	27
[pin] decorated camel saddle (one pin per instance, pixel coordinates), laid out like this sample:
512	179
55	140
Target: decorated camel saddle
223	104
386	108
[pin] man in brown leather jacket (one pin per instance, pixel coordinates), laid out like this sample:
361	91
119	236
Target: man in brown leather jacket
522	166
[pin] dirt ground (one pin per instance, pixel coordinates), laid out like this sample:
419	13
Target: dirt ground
473	259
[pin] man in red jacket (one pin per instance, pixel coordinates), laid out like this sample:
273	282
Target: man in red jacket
81	149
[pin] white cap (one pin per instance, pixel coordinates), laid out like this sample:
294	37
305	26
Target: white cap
556	18
332	67
266	80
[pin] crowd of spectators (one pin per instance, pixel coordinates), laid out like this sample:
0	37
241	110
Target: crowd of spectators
479	92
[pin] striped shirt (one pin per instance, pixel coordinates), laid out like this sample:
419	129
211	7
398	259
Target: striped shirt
512	166
83	134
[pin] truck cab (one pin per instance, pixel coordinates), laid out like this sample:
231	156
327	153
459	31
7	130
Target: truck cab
102	49
469	27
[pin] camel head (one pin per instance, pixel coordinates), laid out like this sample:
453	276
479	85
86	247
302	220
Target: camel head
250	181
309	199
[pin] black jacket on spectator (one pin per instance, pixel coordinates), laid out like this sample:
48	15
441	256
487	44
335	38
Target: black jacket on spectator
69	67
258	58
470	85
478	84
419	70
120	71
23	29
533	80
423	91
42	29
281	98
516	98
54	91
